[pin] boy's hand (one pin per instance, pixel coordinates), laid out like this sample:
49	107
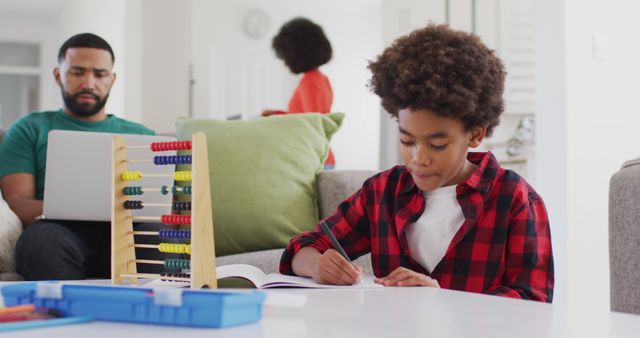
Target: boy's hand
332	268
405	277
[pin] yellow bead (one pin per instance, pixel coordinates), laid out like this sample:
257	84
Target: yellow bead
131	175
182	176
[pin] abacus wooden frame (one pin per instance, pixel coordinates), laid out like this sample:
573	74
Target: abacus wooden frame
203	259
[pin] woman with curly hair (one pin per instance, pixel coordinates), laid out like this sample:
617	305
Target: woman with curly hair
448	217
303	47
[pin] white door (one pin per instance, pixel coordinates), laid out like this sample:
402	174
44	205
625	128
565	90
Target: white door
243	83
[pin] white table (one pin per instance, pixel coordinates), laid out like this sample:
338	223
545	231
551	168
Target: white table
388	313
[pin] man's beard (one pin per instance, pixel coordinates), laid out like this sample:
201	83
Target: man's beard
83	110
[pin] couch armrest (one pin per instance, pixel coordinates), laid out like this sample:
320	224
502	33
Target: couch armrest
334	186
10	230
624	238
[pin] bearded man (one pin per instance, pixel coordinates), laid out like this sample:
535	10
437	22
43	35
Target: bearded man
49	249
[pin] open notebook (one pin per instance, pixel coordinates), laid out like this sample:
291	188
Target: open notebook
275	280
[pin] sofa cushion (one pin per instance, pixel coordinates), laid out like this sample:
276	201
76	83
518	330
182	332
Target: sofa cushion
262	176
10	229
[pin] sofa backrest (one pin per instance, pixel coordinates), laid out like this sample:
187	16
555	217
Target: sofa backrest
624	238
334	186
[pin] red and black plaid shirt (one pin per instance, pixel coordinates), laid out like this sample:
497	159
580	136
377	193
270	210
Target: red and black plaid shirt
503	247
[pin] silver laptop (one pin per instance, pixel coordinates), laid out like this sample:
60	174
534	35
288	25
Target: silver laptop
78	175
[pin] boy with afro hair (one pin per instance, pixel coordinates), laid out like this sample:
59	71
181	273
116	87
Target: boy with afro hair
448	217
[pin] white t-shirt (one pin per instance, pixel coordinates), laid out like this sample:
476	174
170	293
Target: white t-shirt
429	237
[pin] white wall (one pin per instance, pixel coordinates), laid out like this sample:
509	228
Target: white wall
551	131
355	31
133	100
106	19
165	62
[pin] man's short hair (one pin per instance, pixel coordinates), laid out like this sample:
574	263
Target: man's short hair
85	40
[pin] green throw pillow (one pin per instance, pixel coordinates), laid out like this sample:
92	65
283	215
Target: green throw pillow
262	175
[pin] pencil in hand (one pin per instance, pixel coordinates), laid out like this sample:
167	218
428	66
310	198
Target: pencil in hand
334	241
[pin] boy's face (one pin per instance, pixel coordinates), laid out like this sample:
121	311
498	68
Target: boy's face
434	148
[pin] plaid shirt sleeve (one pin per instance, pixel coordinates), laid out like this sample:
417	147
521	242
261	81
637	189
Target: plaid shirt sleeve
350	225
529	260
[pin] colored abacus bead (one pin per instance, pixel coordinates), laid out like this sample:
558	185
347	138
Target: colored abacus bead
182	176
173	274
186	190
177	264
133	205
129	191
167	146
175	219
131	175
181	206
173	233
174	248
175	159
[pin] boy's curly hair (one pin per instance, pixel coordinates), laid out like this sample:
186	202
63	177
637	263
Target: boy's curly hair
451	73
302	45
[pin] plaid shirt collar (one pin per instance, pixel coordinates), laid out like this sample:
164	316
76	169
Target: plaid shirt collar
471	195
481	179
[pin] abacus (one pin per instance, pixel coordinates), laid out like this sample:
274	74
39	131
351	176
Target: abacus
202	263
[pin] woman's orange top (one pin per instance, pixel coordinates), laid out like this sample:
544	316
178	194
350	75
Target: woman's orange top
313	95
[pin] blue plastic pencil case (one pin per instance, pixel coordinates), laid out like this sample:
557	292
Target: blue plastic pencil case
184	307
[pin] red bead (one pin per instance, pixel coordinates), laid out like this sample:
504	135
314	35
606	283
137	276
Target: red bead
166	146
175	219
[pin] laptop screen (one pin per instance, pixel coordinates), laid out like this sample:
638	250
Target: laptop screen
78	175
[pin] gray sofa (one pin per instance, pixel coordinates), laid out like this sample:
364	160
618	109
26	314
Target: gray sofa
624	238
